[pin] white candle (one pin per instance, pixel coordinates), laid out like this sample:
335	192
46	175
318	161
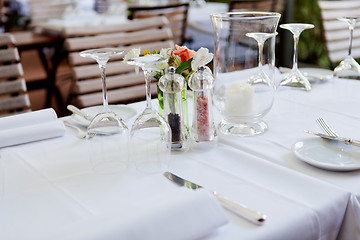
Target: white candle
239	99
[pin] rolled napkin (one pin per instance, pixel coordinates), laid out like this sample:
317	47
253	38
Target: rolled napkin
29	127
182	214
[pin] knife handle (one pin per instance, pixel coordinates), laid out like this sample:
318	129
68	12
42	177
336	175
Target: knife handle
353	142
240	209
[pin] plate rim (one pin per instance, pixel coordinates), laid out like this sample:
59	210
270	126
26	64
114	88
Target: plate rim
75	117
318	164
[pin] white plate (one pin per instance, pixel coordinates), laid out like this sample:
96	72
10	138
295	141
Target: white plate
328	154
122	111
317	74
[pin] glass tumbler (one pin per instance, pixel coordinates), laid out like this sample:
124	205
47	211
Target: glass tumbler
241	101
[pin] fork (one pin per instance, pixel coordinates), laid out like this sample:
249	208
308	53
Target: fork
329	132
326	128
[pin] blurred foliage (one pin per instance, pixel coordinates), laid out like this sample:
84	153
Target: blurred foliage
312	48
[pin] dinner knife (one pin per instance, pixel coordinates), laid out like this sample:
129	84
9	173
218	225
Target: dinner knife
235	207
340	139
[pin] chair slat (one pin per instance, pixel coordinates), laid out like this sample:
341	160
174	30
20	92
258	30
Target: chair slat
16	86
114	96
91	71
136	25
11	71
172	12
9	55
76	59
117	81
76	44
14	103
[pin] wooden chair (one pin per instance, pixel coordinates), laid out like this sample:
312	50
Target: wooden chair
175	12
123	84
335	32
258	5
13	92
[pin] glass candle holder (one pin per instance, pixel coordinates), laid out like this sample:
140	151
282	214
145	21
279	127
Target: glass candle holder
242	101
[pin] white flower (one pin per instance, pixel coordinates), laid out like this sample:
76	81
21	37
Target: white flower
201	58
133	53
165	52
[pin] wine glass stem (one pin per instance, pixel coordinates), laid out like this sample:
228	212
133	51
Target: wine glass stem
103	81
261	47
148	89
350	39
295	60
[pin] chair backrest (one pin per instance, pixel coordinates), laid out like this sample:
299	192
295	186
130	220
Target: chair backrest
335	32
42	10
176	13
13	92
123	84
252	5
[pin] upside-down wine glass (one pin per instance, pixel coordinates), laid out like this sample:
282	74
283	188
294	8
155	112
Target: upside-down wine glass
348	68
107	133
295	78
106	122
261	76
150	134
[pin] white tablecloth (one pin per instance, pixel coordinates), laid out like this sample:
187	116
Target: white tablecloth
49	185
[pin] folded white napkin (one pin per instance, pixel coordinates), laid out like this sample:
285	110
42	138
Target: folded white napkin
29	127
182	214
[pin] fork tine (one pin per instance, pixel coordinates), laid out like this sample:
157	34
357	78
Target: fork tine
325	127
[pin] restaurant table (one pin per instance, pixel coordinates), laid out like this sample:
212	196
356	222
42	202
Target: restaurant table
49	188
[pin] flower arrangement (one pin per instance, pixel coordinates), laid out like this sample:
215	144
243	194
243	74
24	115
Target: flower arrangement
185	61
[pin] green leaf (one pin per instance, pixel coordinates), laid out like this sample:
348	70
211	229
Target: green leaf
183	66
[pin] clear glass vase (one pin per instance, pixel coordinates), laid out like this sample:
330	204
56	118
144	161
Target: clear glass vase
239	59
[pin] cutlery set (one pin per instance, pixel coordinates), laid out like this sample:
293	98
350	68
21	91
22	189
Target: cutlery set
331	135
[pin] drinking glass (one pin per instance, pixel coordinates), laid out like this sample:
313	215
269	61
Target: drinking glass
348	68
261	76
150	134
107	134
295	78
106	122
244	86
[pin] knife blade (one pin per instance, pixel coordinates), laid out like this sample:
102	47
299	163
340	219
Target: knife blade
235	207
340	139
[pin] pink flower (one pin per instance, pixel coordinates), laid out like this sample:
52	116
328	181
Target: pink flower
184	53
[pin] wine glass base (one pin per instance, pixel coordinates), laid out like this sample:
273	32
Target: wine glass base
297	80
348	68
106	123
243	128
259	78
